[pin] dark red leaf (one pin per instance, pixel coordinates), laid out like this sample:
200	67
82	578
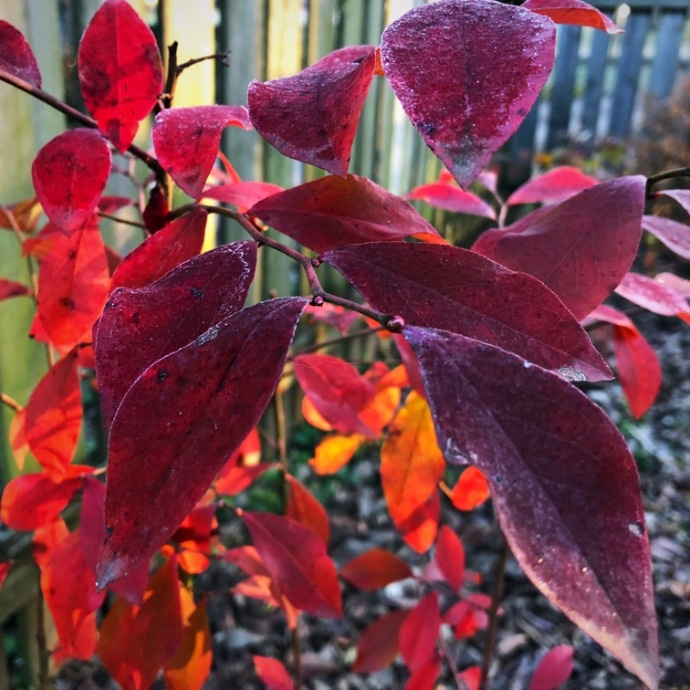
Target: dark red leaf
554	669
120	71
176	416
155	215
554	186
337	391
187	140
336	212
72	287
452	198
16	56
53	416
312	116
141	325
649	294
378	645
69	175
419	633
296	559
457	290
675	235
574	12
560	473
450	557
243	195
467	74
305	508
272	673
583	261
11	288
160	253
375	569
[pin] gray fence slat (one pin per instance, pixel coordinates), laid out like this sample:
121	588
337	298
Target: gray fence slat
629	64
594	89
667	54
563	85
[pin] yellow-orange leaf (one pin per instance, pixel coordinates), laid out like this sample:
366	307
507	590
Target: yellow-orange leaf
335	452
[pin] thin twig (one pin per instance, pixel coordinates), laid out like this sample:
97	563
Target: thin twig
124	221
223	57
336	341
10	402
666	175
297	654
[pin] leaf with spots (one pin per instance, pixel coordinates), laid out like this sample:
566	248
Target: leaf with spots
186	414
564	485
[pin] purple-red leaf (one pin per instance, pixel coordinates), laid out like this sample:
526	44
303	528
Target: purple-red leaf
419	633
378	646
336	212
296	559
675	235
69	174
682	196
312	116
580	248
650	294
179	423
11	288
152	259
574	12
467	74
186	141
141	325
120	71
554	669
553	186
460	291
563	482
16	56
452	198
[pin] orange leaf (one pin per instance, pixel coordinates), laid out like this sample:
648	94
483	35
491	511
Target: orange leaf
194	538
17	437
374	569
471	490
378	645
419	529
303	507
272	673
46	539
335	451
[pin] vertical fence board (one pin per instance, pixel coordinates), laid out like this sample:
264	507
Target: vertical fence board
594	87
667	54
563	85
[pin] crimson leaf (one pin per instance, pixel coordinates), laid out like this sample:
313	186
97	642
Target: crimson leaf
312	116
580	248
16	56
467	74
186	141
460	291
139	326
336	212
69	175
574	12
563	481
184	416
553	186
120	71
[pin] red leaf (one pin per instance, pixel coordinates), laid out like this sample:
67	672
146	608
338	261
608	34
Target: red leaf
471	677
175	415
11	288
455	289
186	141
120	71
337	212
451	198
303	507
69	175
560	472
424	678
638	365
675	235
574	12
155	215
160	253
554	186
649	294
4	572
337	391
419	633
33	500
16	56
450	557
312	116
193	538
296	559
141	325
69	588
471	490
272	673
554	669
581	262
467	75
53	416
243	195
378	645
73	287
375	569
136	641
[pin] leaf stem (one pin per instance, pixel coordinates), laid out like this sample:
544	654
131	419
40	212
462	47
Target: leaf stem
493	614
297	653
10	402
665	175
124	221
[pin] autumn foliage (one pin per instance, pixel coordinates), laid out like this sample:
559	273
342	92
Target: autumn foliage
492	345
